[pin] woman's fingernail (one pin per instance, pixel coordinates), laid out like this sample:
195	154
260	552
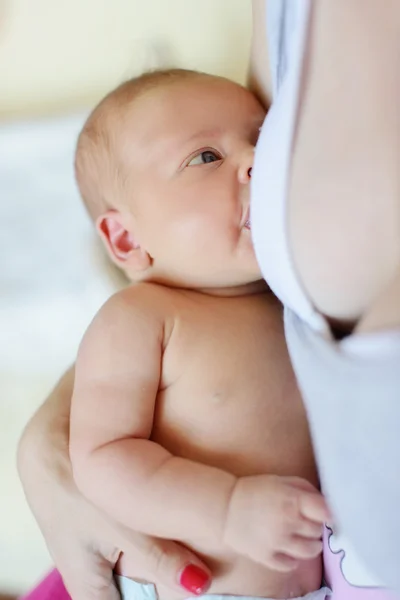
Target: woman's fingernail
194	579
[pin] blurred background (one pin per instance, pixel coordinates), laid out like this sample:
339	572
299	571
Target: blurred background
57	58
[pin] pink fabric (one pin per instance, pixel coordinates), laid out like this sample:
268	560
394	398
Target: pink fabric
335	578
51	588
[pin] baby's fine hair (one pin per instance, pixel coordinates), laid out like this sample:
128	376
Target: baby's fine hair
95	145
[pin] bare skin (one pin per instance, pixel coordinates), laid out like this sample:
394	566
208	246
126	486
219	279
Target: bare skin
186	421
226	398
43	455
43	461
353	194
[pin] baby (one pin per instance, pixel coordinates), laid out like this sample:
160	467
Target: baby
186	421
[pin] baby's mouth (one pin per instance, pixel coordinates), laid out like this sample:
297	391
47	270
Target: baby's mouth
247	224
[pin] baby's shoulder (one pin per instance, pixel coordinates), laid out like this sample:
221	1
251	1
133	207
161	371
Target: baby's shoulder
149	303
140	311
147	296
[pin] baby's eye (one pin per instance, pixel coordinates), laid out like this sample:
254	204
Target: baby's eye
207	156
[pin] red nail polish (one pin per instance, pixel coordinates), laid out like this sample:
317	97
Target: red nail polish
194	579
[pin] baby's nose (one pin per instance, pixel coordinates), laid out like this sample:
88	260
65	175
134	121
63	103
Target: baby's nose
246	165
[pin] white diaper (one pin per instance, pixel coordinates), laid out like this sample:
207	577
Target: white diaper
132	590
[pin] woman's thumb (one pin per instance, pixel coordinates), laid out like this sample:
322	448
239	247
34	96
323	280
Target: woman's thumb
90	578
167	564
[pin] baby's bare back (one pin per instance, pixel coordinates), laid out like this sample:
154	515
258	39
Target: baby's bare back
228	398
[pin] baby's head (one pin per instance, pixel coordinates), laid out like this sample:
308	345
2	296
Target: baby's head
163	164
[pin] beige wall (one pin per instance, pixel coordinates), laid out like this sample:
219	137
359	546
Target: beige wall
57	54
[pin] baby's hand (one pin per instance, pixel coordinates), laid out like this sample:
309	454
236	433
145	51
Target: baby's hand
276	521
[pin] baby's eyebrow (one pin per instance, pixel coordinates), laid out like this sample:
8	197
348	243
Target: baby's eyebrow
173	143
215	132
205	133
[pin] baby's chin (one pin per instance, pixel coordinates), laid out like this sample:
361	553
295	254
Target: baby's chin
250	266
253	283
245	289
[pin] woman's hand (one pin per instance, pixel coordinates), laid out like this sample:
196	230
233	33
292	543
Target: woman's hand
84	543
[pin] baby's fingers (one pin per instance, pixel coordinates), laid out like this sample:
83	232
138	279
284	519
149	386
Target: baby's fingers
282	563
308	529
302	548
314	508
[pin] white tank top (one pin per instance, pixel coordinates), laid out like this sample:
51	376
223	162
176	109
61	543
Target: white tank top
342	382
287	29
270	174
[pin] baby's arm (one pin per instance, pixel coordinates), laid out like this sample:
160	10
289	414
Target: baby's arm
115	464
139	482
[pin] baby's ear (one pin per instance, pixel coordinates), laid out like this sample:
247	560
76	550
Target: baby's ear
120	243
